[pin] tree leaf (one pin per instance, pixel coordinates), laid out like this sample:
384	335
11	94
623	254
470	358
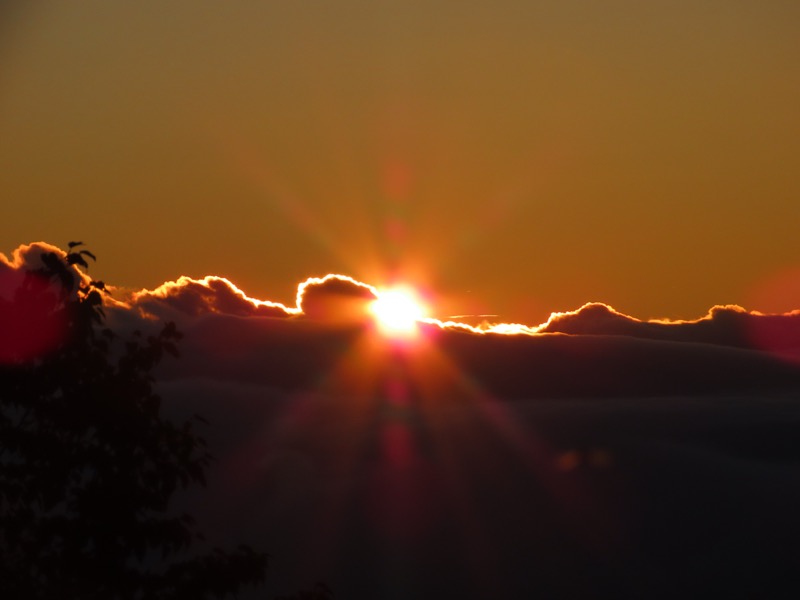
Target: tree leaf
73	259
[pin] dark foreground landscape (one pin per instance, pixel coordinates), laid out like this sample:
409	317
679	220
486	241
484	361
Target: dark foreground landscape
620	459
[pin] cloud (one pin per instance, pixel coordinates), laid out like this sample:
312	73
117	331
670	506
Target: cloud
209	295
298	354
727	325
30	324
592	351
339	298
27	258
335	297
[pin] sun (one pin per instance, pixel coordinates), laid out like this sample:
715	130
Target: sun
397	311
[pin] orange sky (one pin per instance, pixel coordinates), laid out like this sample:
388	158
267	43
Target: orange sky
514	158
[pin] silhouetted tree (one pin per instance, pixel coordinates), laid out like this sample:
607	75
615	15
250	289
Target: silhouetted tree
88	466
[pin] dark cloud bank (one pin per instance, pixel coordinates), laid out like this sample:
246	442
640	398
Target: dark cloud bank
591	352
603	458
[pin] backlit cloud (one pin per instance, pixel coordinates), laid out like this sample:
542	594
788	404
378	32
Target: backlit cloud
30	325
728	325
209	295
27	258
592	351
335	297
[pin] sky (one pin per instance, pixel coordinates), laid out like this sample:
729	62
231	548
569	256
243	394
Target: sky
614	183
509	158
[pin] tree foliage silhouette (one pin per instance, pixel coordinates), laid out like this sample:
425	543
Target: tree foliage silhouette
88	466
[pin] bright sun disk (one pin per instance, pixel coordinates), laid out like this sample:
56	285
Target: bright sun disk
397	311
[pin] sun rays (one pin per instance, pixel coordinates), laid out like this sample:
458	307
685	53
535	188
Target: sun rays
405	425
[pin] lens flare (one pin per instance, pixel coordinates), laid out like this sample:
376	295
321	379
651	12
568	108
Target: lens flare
397	312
